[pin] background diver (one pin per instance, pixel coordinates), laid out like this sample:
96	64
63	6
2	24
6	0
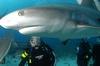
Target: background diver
39	54
96	54
83	53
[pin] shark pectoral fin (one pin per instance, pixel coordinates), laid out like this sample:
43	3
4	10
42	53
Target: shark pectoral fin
88	27
84	31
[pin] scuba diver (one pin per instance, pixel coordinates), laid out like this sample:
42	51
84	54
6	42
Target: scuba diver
39	54
83	53
96	55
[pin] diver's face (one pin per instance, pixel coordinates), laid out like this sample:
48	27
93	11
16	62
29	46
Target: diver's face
34	41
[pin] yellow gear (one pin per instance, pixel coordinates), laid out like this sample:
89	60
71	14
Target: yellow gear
24	54
30	61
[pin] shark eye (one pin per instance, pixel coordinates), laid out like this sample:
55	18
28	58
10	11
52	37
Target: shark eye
21	13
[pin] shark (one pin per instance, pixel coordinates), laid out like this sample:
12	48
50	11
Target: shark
55	21
63	22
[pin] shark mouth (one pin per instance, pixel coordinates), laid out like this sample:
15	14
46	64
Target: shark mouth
32	29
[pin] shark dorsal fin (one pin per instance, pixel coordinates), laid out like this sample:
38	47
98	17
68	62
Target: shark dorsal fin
87	3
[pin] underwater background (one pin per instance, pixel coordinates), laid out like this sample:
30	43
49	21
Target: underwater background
65	54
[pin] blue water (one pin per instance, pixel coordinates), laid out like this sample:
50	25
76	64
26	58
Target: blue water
7	6
65	54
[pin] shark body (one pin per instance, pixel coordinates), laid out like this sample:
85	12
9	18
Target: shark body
58	22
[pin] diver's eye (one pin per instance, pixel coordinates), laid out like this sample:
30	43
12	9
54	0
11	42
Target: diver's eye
21	13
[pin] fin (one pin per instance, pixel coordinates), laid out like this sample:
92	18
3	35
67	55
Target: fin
97	3
5	44
87	3
85	31
79	1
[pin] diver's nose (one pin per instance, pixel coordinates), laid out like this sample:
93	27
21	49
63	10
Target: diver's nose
7	24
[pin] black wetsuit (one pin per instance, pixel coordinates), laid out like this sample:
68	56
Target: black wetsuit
96	55
84	54
46	53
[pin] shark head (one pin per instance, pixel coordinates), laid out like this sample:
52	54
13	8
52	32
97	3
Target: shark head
36	21
54	22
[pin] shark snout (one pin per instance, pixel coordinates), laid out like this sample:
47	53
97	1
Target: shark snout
8	25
